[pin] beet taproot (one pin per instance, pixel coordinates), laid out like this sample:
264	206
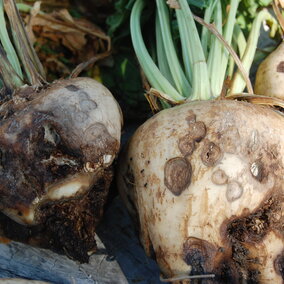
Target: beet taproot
217	209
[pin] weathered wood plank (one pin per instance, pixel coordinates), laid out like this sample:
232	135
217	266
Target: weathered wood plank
33	263
20	281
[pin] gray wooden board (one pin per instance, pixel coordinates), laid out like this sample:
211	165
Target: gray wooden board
120	257
20	281
20	260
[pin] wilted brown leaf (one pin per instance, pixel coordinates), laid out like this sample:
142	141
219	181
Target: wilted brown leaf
78	39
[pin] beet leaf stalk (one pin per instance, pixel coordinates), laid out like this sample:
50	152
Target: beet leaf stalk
7	45
20	64
194	76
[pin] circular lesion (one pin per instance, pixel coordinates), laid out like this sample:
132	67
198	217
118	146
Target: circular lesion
219	177
88	105
191	117
186	145
177	175
211	154
197	130
199	254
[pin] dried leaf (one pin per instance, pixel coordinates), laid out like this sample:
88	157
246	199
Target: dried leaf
257	99
59	31
165	97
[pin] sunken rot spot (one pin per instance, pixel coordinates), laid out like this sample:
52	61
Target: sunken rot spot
99	142
257	170
234	191
56	151
72	88
197	130
198	254
177	175
219	177
210	154
186	145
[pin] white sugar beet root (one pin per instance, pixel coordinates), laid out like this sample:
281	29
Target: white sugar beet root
205	182
269	79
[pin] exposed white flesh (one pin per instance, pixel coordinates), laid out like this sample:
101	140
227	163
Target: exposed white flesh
68	188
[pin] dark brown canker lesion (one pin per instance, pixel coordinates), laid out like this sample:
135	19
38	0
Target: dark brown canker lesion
280	67
34	154
197	130
197	253
254	226
211	153
177	175
205	258
186	145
